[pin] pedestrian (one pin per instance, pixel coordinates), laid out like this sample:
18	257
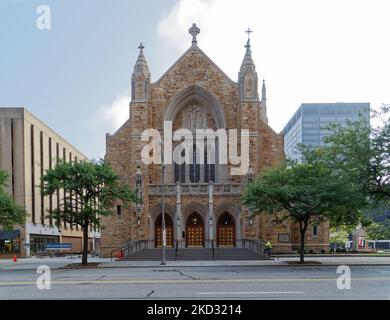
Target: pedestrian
268	248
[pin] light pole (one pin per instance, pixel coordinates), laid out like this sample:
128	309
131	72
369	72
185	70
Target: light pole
164	239
139	205
249	178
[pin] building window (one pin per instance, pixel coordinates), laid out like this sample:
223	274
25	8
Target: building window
12	159
180	170
315	230
64	159
32	175
118	209
194	167
76	199
51	196
70	195
209	169
57	161
41	160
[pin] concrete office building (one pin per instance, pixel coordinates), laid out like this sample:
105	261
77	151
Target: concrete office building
307	125
28	147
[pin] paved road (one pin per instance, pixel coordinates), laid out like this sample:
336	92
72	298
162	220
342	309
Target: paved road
219	282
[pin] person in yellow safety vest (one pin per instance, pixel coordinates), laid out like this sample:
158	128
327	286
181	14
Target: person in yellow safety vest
268	248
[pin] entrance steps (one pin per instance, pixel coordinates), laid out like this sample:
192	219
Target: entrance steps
195	254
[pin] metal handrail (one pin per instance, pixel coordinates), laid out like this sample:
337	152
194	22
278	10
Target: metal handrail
257	246
130	248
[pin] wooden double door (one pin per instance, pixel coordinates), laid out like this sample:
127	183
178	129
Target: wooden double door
194	231
226	231
159	231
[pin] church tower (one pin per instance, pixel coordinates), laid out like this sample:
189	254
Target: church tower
140	79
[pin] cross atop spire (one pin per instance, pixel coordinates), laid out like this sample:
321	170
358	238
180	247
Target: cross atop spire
248	31
248	43
194	31
141	47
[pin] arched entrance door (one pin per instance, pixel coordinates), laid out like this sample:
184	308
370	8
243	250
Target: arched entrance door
195	230
226	236
158	231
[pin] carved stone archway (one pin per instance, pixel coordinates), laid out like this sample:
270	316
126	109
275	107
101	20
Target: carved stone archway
199	209
235	211
154	214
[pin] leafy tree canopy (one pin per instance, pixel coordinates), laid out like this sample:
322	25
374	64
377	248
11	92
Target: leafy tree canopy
10	212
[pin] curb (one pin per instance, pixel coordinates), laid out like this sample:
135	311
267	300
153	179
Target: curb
252	265
282	265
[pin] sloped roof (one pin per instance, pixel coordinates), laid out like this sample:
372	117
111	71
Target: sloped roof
194	47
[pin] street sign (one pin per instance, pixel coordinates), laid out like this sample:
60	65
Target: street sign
59	246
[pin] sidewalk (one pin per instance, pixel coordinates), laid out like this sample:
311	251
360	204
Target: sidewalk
56	263
324	261
53	263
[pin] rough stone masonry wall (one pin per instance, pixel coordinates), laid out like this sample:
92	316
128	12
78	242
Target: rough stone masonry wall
124	149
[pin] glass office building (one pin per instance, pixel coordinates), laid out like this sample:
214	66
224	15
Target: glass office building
307	125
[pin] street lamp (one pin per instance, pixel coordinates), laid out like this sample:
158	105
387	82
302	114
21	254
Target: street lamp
138	205
164	239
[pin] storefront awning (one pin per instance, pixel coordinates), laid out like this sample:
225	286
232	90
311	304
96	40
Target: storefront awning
9	235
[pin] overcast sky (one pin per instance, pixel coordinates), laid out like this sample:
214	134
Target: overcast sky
76	76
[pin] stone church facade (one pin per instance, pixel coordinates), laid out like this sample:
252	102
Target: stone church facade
202	202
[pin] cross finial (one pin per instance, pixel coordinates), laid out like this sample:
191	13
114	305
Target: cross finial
141	47
248	31
194	31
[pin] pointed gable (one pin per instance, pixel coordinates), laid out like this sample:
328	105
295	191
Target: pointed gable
194	62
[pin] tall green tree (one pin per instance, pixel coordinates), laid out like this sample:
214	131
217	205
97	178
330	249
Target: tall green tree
92	189
361	152
307	193
10	212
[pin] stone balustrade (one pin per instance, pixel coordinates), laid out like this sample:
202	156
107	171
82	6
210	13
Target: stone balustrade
197	189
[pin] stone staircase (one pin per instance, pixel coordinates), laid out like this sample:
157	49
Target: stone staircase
195	254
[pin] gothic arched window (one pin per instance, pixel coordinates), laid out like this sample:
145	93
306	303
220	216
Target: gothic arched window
195	167
180	170
209	168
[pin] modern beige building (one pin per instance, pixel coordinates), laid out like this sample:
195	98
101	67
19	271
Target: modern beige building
28	148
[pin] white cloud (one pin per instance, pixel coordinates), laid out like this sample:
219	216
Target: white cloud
308	51
109	117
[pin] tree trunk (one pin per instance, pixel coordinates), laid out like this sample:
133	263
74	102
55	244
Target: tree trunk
84	259
302	253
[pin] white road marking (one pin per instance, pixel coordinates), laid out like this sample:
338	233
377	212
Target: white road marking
251	292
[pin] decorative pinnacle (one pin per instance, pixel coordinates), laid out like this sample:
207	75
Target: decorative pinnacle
141	47
194	31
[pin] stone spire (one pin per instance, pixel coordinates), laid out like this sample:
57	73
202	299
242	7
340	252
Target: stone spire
140	79
247	77
263	93
263	104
